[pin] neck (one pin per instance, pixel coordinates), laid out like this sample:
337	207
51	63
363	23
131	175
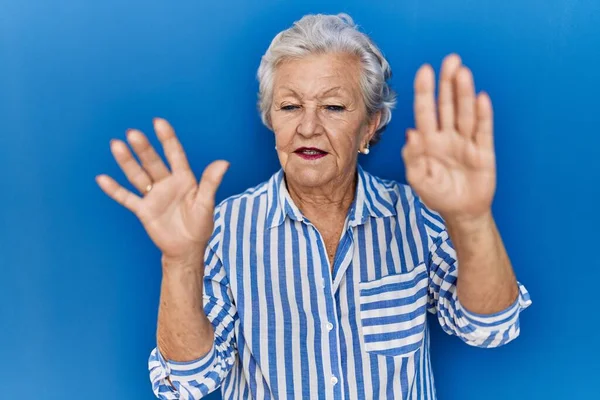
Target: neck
334	198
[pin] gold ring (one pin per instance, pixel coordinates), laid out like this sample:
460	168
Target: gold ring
148	188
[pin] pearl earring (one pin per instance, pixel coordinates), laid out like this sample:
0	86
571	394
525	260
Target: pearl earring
366	150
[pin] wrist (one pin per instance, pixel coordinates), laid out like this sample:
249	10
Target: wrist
471	224
185	262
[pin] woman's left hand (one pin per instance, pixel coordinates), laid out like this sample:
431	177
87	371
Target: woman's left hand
449	159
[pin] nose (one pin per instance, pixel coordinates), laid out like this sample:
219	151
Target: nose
310	123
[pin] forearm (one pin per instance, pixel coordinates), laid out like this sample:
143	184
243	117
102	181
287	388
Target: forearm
184	333
486	281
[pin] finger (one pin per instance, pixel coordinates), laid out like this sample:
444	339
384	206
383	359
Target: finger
173	148
415	160
484	137
446	96
132	169
210	182
414	146
466	102
424	104
151	161
119	193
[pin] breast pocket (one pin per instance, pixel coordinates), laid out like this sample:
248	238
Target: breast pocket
393	312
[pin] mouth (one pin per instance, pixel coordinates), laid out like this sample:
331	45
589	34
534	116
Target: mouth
310	153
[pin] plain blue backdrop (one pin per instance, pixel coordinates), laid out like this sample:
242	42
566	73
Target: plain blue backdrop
80	278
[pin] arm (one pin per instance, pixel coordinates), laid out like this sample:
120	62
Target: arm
486	282
184	333
178	214
451	164
488	315
195	331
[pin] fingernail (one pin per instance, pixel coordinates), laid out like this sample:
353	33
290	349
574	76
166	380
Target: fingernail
128	131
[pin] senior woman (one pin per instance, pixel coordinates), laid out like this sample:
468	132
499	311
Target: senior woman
317	283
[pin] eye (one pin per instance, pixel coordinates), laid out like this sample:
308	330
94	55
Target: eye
335	108
289	107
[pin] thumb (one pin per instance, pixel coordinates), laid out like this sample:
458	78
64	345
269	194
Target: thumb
413	148
415	161
210	181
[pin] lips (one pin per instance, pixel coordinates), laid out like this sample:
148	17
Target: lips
310	153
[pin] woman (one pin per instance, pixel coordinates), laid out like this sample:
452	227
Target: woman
317	282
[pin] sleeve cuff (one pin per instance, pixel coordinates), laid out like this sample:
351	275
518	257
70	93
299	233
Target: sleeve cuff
497	321
178	372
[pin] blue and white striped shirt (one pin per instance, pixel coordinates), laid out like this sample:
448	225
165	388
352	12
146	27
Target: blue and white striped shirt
287	325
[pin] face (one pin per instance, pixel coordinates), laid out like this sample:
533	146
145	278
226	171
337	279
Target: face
319	118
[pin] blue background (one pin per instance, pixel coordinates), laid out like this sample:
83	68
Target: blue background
80	278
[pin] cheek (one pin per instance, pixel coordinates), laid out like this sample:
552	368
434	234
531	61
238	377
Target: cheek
284	130
343	134
283	138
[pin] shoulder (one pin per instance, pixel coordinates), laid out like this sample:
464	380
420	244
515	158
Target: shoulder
409	206
400	196
233	209
238	205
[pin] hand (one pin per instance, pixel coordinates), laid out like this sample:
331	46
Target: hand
449	158
177	213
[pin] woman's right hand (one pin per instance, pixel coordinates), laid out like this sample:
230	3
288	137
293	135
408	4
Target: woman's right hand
178	211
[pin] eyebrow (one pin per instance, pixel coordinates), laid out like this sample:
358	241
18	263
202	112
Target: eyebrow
288	89
328	92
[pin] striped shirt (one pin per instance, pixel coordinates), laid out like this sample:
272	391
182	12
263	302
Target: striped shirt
288	325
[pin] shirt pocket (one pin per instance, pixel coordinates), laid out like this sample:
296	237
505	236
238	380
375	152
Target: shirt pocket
393	312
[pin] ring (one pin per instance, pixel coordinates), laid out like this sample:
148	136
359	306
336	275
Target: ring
148	188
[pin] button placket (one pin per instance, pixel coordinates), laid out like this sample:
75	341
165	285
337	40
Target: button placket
331	314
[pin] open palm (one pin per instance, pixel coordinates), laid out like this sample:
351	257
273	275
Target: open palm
177	212
449	158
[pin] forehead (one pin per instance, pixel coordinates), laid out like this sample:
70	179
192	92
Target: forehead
319	74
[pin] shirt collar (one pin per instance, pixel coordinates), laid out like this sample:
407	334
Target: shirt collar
374	197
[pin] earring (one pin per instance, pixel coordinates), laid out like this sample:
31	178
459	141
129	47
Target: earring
366	150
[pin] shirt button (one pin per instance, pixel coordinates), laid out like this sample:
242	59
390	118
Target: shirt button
333	380
323	283
329	326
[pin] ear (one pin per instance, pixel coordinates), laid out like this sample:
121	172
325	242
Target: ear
372	125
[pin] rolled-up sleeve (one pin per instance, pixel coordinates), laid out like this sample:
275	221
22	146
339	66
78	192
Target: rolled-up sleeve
487	331
197	378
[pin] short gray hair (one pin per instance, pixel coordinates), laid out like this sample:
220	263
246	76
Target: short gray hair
320	34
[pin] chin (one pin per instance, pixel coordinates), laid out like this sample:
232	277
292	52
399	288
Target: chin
308	177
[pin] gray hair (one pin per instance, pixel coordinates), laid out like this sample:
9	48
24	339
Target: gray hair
320	34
